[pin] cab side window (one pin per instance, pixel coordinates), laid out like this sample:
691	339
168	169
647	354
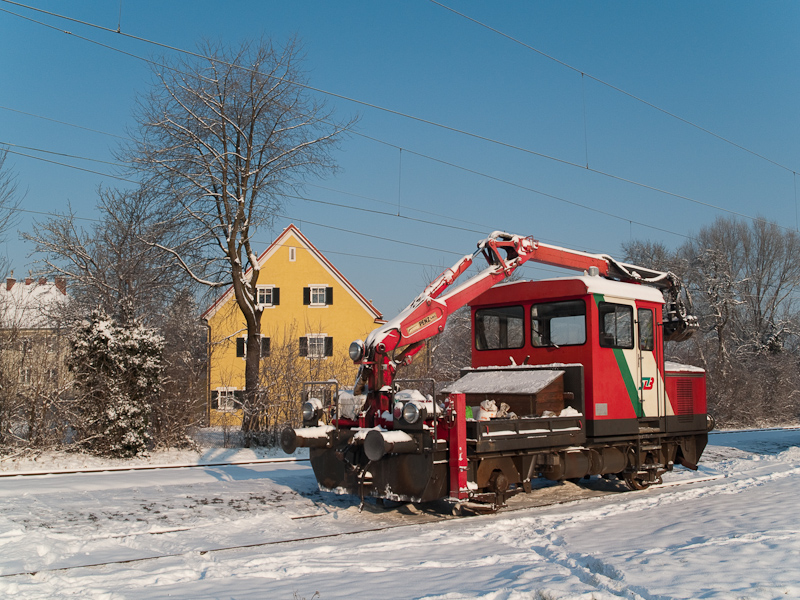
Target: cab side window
555	324
646	337
499	328
616	325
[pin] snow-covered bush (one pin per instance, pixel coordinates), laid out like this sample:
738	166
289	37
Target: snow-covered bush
117	371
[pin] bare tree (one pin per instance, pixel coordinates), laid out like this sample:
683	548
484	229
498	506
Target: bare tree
741	277
654	255
114	262
224	138
744	277
11	402
283	372
181	405
10	197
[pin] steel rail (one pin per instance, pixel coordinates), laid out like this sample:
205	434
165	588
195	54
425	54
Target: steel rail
149	467
753	430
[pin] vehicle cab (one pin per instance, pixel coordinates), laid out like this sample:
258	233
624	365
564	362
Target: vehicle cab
611	328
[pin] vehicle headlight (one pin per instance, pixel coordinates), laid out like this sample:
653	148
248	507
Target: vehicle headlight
312	409
356	350
411	413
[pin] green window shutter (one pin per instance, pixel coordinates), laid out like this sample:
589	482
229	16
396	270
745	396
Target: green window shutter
265	347
240	347
329	295
276	296
306	296
328	345
303	346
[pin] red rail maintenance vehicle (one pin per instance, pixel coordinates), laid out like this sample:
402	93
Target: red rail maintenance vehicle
568	380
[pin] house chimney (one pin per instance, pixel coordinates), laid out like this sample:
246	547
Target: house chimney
10	281
29	278
61	285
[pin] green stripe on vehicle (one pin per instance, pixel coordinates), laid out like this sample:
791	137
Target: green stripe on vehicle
625	371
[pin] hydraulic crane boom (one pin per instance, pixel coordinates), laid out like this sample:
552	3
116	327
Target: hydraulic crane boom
427	314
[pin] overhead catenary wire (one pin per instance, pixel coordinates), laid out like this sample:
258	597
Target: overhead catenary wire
614	87
393	111
425	156
55	162
541	193
30	114
537	192
398	215
528	265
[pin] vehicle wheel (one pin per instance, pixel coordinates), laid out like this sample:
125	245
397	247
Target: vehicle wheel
498	482
635	483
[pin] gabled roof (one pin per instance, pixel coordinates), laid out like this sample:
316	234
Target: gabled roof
30	304
326	264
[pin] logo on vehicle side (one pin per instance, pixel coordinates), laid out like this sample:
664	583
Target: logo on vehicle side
422	323
648	382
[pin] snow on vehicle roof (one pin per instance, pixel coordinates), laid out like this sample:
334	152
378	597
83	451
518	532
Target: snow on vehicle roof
503	382
676	366
606	287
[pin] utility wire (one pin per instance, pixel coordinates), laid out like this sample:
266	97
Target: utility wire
28	114
528	265
535	191
614	87
371	199
383	213
385	109
55	162
397	216
651	188
75	156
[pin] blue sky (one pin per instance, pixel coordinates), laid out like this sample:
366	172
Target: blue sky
732	68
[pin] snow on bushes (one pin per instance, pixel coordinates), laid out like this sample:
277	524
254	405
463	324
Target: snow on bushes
117	369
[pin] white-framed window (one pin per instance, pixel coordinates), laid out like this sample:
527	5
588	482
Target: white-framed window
267	295
318	295
226	399
316	345
25	376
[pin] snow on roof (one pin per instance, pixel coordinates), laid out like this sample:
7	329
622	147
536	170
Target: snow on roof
30	304
618	289
607	287
676	366
503	382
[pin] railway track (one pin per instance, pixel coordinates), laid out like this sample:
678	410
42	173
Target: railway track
754	430
403	516
261	461
150	467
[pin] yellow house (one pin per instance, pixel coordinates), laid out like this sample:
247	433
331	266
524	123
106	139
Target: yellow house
311	315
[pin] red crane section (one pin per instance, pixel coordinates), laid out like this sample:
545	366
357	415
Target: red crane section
426	316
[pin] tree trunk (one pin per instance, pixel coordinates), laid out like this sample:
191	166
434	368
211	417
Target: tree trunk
250	416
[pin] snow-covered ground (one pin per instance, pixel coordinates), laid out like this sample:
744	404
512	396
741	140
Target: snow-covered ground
734	533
